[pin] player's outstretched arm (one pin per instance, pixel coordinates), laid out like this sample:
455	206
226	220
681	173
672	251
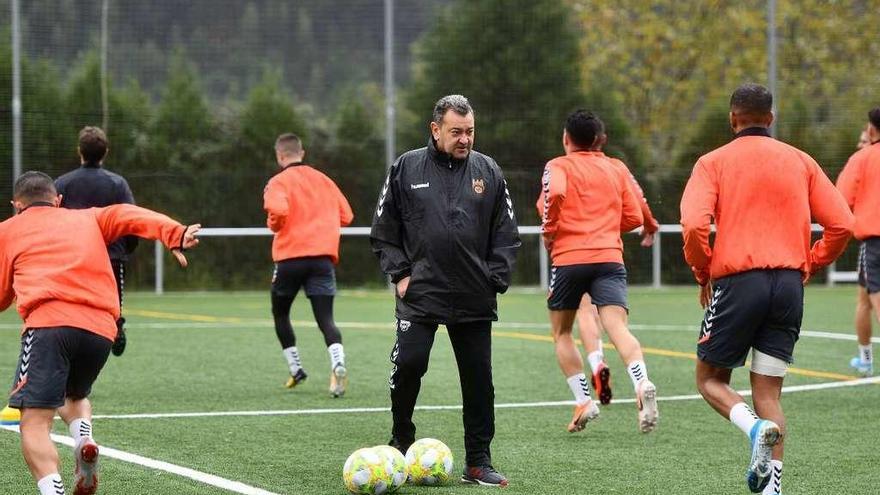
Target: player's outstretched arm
188	241
120	220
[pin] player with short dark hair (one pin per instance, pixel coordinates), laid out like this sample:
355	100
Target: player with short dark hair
582	234
92	185
761	194
588	321
53	262
446	234
305	209
859	182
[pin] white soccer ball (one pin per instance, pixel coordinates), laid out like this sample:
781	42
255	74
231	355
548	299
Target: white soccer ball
367	472
395	465
429	462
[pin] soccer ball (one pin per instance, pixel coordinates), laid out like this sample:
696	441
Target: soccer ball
395	464
366	472
429	462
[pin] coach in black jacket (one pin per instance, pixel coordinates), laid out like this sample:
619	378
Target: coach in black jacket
445	232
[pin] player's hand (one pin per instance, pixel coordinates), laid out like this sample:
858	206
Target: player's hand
402	286
548	243
189	241
647	239
705	295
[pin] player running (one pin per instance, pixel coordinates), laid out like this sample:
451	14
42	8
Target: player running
89	186
305	211
53	262
587	201
761	194
859	182
589	324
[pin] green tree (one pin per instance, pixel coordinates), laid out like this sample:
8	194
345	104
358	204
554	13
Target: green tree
516	61
268	112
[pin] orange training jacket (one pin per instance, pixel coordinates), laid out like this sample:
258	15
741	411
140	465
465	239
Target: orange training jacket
859	182
305	210
54	262
650	224
761	194
585	204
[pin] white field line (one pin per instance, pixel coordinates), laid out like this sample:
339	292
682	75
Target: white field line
510	405
208	479
262	323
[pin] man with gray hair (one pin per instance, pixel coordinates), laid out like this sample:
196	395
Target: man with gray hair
445	233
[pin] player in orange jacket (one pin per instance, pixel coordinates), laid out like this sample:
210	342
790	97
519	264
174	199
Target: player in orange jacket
859	182
588	201
305	210
53	262
761	194
589	323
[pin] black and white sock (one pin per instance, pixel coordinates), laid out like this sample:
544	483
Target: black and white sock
292	357
80	428
51	485
774	487
579	387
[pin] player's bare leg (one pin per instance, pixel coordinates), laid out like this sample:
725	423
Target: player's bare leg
77	413
614	321
591	337
39	451
572	365
714	385
864	362
766	392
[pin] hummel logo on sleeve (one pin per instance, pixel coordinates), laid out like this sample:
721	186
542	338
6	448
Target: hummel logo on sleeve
420	186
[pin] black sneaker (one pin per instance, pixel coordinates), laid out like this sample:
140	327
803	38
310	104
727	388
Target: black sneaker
118	346
401	446
483	475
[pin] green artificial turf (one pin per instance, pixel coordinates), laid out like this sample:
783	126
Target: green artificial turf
213	352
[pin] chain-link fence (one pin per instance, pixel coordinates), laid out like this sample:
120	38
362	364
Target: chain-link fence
197	91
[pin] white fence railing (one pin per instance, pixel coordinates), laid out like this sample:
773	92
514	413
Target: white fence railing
834	276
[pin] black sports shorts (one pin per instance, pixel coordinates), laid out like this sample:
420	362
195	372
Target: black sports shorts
759	309
869	264
314	273
604	282
57	363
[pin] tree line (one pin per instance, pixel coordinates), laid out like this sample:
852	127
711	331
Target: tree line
202	152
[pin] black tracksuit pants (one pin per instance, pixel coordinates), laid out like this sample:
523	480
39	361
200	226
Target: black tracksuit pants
472	345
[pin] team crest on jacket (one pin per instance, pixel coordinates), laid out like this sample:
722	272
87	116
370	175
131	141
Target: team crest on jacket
479	186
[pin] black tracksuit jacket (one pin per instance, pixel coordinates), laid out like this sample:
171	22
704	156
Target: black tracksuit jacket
449	225
92	186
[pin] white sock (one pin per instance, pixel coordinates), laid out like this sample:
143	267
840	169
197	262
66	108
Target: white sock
595	358
866	353
337	355
775	484
51	485
293	362
79	428
743	417
638	373
579	387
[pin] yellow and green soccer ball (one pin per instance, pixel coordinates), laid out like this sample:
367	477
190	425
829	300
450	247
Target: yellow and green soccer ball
429	462
373	471
395	464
